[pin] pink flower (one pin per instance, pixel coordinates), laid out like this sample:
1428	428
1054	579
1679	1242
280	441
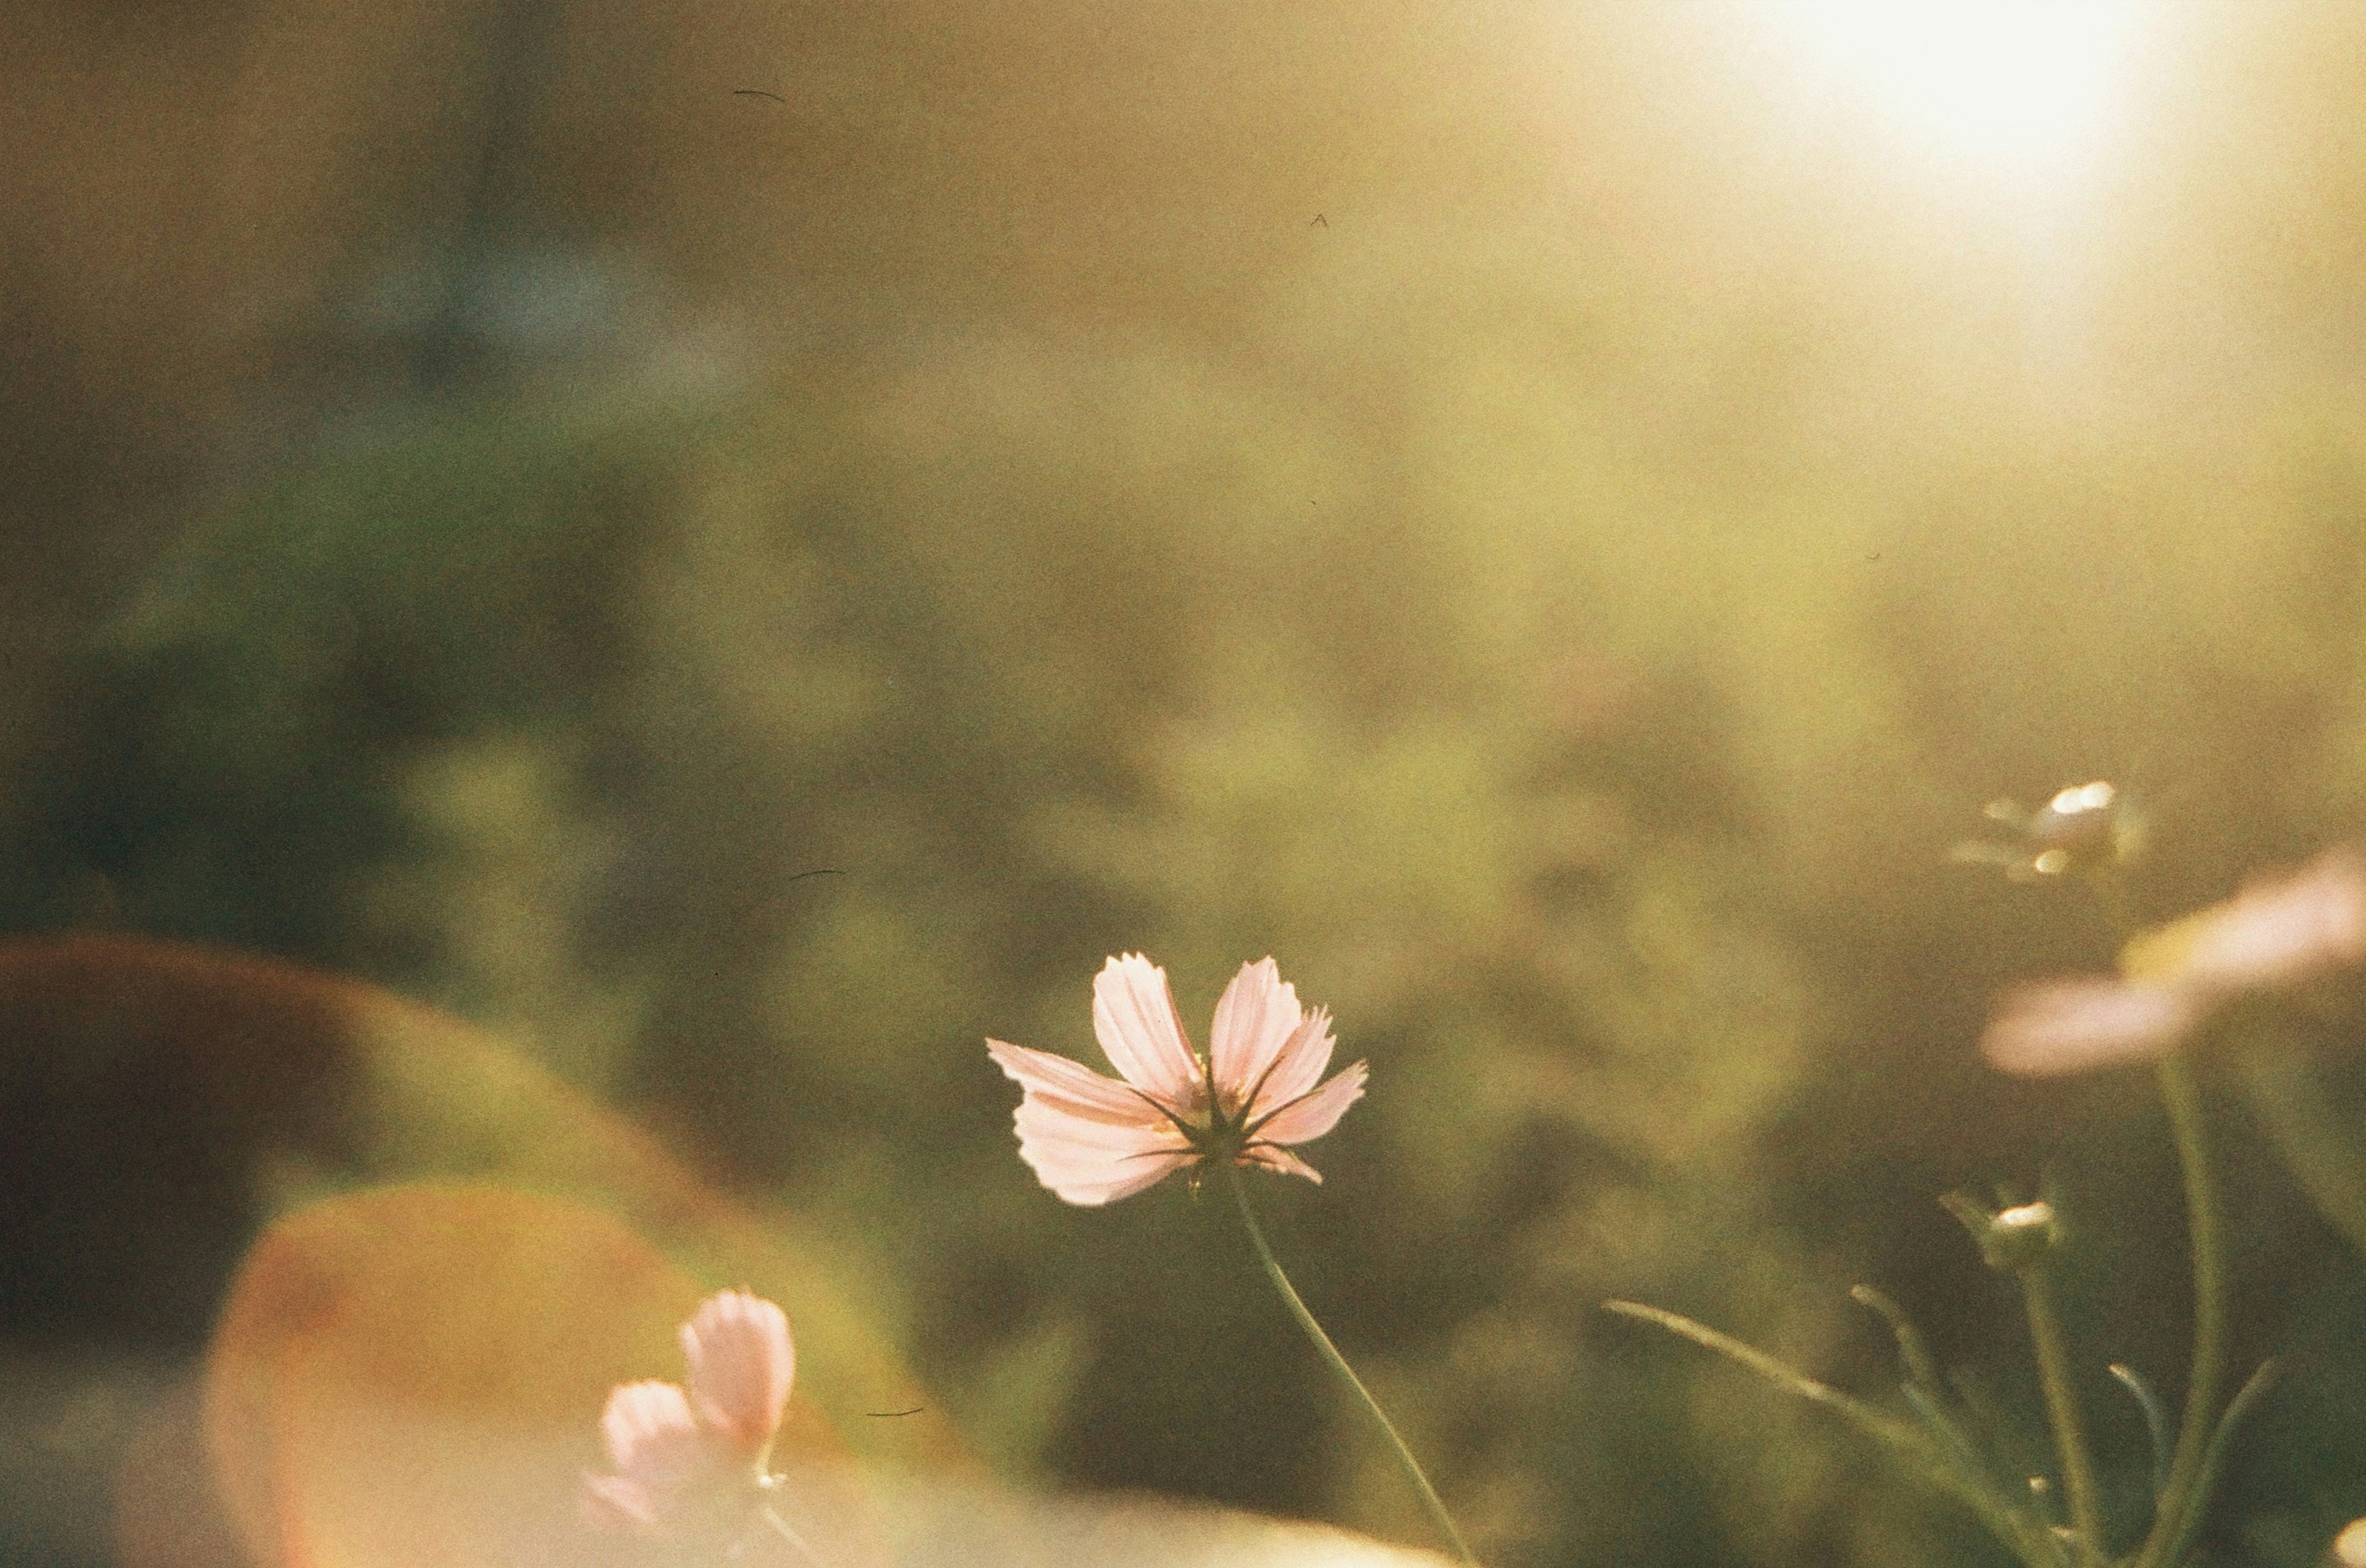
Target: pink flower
2279	931
669	1445
1093	1140
2273	934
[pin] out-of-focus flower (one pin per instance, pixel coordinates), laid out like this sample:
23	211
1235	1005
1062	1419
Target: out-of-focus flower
2083	828
2050	1027
1094	1140
2279	932
2275	933
672	1445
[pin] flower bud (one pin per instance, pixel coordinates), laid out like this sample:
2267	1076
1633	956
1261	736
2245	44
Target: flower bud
2012	1239
2086	825
2084	829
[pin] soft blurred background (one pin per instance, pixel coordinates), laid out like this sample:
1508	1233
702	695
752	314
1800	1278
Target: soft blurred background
742	548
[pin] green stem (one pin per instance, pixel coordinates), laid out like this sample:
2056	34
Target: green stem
2170	1527
1339	1364
2183	1098
2062	1409
2220	1440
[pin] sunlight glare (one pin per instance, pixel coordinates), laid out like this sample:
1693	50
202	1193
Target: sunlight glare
2001	82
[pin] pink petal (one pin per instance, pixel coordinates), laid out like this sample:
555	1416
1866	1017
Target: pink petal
613	1503
1267	1157
2069	1026
1075	1087
1091	1181
650	1430
2282	930
1088	1138
1134	1019
1311	1115
1303	1057
741	1363
1040	1124
1070	1154
1254	1020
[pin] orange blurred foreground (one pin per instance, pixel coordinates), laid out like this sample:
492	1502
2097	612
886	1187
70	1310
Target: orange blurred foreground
457	1254
414	1375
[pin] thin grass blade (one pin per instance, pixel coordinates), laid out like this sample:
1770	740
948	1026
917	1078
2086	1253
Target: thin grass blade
2156	1421
2198	1501
1917	1449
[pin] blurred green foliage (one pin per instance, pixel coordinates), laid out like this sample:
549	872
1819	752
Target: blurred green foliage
540	708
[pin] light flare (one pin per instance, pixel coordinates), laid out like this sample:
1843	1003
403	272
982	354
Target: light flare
2009	83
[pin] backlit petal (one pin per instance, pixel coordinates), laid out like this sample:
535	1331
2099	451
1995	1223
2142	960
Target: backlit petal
1088	1138
1039	1124
1280	1161
650	1430
2069	1026
1300	1065
1134	1019
741	1363
1072	1086
1255	1019
1311	1115
1074	1155
1090	1181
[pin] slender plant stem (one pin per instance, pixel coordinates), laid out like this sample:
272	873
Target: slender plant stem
2247	1395
1339	1363
2062	1408
2114	899
2179	1092
781	1528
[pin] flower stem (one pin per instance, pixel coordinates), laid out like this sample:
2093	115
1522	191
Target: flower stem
2183	1098
2062	1408
781	1528
2188	1465
1339	1363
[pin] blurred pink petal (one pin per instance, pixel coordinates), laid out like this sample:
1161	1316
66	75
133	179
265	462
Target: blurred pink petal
1134	1019
2068	1026
1092	1140
659	1452
741	1364
648	1429
668	1443
2282	930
